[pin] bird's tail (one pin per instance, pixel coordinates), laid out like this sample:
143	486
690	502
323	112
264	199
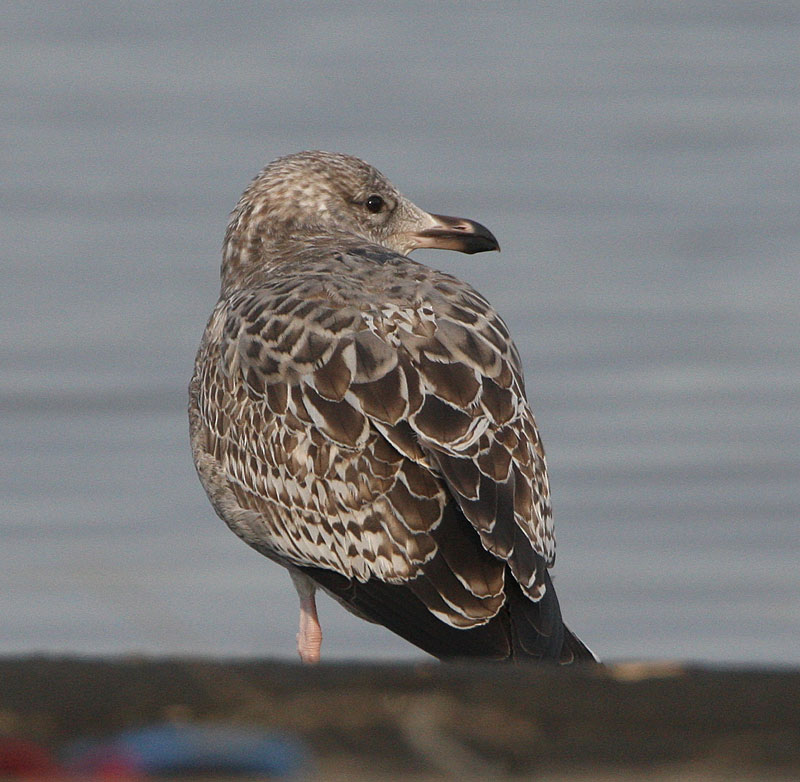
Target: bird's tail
574	650
537	631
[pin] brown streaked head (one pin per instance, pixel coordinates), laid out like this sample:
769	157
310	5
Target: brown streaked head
317	193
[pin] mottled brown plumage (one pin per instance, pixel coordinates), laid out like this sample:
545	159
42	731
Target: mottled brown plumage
361	418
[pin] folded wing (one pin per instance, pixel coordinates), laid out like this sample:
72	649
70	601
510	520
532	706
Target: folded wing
386	451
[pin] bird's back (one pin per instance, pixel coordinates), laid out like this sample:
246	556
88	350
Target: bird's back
362	417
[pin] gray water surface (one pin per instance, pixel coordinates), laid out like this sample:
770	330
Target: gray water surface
639	163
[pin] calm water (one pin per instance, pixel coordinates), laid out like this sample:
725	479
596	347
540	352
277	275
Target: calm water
640	164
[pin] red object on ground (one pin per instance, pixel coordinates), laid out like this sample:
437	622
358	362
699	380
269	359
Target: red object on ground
23	759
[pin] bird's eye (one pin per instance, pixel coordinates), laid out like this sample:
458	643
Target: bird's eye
375	204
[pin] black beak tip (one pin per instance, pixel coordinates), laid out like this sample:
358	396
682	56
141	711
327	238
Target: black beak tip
481	240
481	244
456	233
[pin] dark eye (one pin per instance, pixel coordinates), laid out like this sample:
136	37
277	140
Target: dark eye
375	204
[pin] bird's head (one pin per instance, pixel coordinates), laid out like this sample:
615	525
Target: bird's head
311	194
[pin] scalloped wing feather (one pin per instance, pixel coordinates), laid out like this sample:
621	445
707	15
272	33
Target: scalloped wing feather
334	433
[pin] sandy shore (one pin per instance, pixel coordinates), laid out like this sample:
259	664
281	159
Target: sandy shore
432	721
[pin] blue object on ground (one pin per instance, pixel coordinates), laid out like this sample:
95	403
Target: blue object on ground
177	748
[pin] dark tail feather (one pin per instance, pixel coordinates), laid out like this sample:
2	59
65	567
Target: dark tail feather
575	651
397	608
538	631
523	631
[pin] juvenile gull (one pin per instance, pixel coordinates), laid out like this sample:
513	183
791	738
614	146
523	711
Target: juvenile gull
361	419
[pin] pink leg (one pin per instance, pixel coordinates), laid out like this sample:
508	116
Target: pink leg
309	639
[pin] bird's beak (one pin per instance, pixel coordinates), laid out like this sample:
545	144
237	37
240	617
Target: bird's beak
455	233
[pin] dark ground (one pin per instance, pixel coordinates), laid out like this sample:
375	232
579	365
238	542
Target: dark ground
430	721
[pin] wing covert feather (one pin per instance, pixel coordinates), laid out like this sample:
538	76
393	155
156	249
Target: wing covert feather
368	441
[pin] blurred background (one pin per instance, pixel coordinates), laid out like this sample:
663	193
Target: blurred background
639	163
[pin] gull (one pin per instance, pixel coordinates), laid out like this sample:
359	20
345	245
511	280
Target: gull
361	419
